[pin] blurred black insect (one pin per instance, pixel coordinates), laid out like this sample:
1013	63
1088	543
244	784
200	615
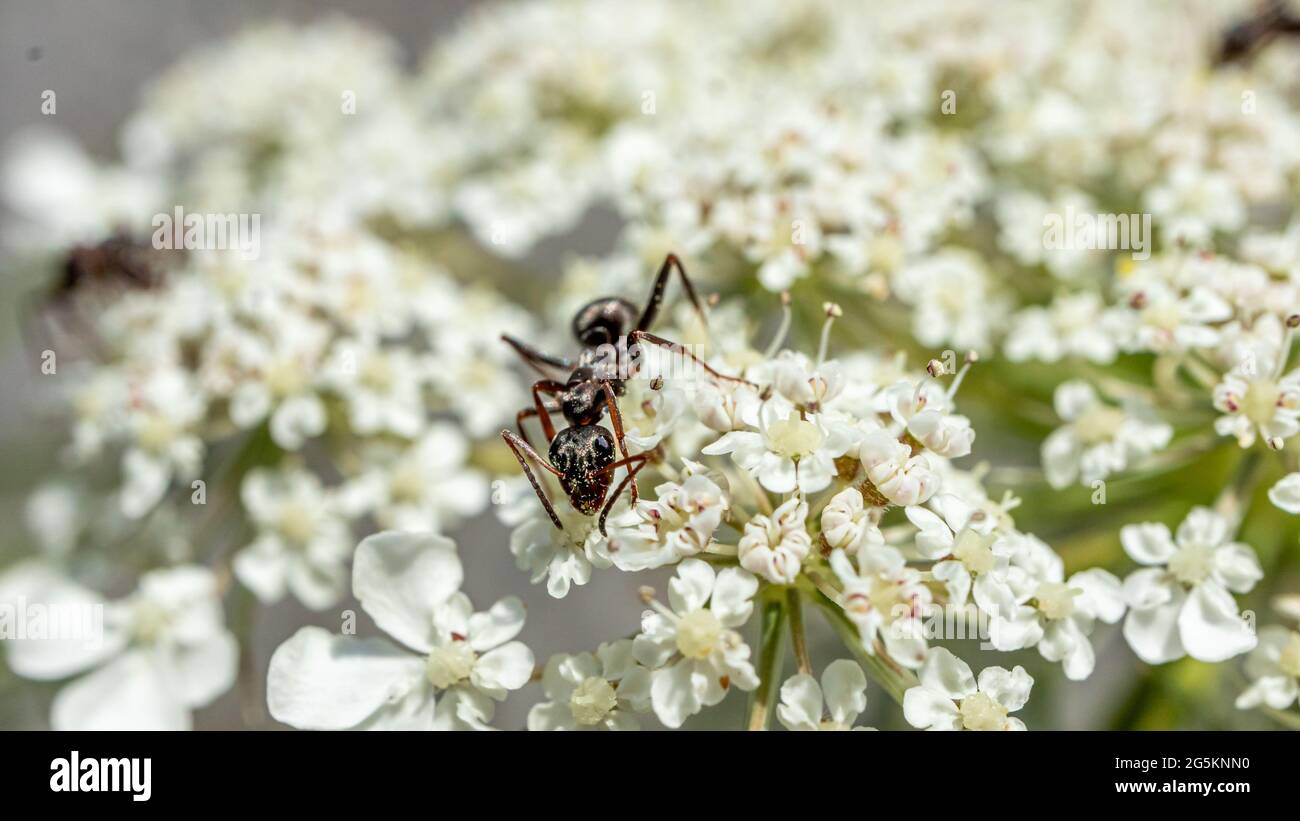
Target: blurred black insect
1247	38
582	456
90	277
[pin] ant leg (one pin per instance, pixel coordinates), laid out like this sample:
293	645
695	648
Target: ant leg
516	445
657	294
680	349
610	468
526	413
616	416
548	365
551	388
630	477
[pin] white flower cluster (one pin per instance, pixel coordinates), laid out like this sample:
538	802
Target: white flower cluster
344	374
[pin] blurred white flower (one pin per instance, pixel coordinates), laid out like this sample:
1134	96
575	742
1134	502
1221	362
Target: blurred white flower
1274	670
949	698
301	544
1180	603
163	651
1098	438
447	670
586	691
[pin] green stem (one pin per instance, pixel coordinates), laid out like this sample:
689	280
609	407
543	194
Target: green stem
894	679
251	703
797	638
770	657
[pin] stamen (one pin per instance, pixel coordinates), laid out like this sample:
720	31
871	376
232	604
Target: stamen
782	330
1284	352
832	311
971	359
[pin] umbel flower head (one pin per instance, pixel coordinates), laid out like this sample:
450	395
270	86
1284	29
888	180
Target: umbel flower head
239	418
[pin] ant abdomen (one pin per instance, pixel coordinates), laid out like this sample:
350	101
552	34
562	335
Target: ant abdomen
604	321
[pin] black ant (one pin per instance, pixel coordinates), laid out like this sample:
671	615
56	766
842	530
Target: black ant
582	456
1248	37
116	263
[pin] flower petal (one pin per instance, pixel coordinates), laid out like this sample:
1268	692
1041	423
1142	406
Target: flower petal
508	667
317	681
845	689
733	595
801	703
672	694
1211	627
930	710
1149	543
1010	688
400	577
1153	632
944	673
1286	493
128	693
498	625
691	587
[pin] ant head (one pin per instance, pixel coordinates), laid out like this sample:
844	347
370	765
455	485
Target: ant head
604	321
1237	42
583	401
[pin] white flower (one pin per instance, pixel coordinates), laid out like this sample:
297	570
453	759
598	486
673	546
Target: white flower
885	600
447	670
427	486
693	648
587	691
55	516
788	452
302	543
561	557
834	705
164	409
1098	439
775	547
1179	603
1274	670
725	405
953	300
1286	493
1073	325
1192	202
649	415
806	384
164	651
282	380
848	525
961	537
678	523
381	385
948	697
903	477
1031	603
925	411
1253	401
1162	319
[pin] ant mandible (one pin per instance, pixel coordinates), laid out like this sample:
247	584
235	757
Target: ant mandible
582	456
